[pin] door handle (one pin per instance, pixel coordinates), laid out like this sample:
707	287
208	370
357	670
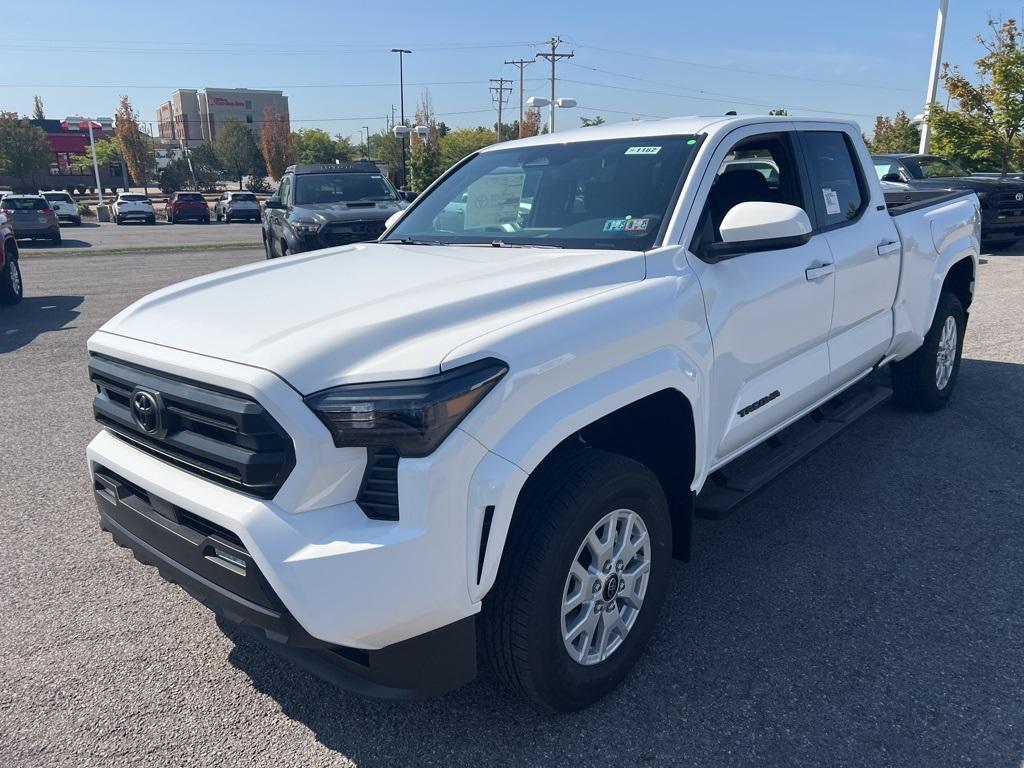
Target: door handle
814	273
884	249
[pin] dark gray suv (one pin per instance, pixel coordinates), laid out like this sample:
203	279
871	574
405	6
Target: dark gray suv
319	206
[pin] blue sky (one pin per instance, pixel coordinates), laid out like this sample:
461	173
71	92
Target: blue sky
651	59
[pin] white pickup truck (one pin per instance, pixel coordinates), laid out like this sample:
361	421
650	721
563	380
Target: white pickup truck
489	433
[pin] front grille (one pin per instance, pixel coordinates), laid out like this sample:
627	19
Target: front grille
343	233
223	436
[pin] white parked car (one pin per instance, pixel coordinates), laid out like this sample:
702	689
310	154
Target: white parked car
232	206
63	205
500	426
131	206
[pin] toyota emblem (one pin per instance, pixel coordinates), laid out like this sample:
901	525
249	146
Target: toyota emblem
1019	196
146	411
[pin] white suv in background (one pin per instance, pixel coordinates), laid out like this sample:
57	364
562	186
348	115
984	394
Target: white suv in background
237	205
63	205
131	206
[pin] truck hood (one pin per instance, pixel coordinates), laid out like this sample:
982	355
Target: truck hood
372	311
330	212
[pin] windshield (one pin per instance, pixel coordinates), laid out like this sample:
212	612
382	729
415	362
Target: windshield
932	168
318	188
610	194
58	197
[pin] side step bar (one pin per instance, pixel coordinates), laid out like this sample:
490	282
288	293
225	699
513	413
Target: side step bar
738	481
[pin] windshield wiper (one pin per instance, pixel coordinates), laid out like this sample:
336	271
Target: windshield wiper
410	241
503	244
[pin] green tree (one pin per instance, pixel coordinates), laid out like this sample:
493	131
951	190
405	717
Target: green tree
386	148
238	152
174	176
316	146
895	134
587	122
108	152
425	165
24	150
463	141
207	167
38	112
985	130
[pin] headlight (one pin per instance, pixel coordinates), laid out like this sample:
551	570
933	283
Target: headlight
414	416
306	227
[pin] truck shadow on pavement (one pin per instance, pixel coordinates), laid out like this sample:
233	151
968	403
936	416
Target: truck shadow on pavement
37	245
865	607
22	323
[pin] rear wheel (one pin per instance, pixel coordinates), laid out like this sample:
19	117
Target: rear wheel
206	219
170	218
10	281
55	238
925	380
582	579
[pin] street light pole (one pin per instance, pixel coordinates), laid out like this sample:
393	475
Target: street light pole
366	146
95	165
401	101
933	75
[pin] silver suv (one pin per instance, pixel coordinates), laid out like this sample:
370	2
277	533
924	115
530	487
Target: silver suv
237	205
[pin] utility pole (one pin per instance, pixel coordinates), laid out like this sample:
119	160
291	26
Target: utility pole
554	42
366	146
401	101
500	90
933	75
522	64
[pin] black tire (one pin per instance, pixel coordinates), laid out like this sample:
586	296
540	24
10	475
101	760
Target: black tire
267	250
914	379
56	238
521	623
77	222
11	287
117	220
170	218
206	220
151	220
283	248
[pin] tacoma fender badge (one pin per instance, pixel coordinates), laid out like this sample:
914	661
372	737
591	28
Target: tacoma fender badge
747	410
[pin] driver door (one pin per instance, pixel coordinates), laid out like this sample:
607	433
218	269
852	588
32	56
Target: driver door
769	311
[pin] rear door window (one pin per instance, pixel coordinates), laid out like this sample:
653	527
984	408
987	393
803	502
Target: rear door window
837	187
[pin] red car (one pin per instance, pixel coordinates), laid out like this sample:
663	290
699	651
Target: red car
187	205
10	272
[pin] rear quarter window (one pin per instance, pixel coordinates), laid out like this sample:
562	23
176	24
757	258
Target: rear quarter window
838	188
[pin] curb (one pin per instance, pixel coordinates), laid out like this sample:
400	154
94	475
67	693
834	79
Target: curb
27	253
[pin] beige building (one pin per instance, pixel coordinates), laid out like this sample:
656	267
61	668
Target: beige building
193	117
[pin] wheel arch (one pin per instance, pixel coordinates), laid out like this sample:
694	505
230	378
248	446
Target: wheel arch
658	428
959	281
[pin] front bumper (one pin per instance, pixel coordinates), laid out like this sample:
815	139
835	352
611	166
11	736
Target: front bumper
1002	223
213	566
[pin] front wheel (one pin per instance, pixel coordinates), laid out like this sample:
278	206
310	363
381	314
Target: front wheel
582	579
925	380
10	282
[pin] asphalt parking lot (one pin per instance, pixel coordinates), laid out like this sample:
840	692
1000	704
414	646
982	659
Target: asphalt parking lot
865	610
135	237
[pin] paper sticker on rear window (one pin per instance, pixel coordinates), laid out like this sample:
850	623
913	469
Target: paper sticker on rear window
831	201
643	150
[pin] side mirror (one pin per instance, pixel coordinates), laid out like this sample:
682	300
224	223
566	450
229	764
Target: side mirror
760	226
274	202
409	196
3	218
893	177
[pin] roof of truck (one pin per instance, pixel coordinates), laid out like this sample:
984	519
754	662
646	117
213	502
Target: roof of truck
358	166
672	126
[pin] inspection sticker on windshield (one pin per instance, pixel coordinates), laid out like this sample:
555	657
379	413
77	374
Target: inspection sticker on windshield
615	225
638	225
643	150
831	201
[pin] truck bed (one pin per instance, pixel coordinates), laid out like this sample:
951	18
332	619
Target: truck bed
902	202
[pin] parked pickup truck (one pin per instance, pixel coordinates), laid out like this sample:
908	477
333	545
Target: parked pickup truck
1001	197
497	432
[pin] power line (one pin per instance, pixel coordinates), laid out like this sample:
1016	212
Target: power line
554	42
263	87
687	62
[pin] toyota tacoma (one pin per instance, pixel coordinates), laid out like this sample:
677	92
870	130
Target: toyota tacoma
485	436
